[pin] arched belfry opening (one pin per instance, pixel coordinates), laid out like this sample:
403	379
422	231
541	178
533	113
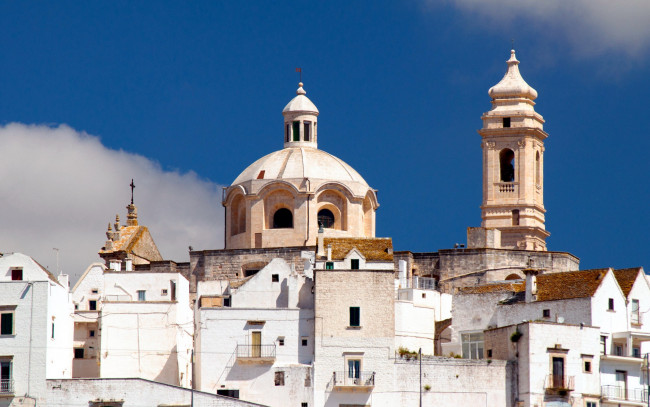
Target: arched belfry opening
282	219
507	160
537	169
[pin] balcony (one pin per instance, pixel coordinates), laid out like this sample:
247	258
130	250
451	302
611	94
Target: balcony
559	383
6	386
255	353
638	396
506	188
342	381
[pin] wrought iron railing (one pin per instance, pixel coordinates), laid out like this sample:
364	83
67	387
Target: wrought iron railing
559	382
353	378
255	351
623	393
6	386
424	283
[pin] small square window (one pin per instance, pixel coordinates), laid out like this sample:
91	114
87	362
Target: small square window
76	306
94	291
281	341
304	404
275	278
546	313
610	304
279	378
17	274
506	122
329	265
91	333
354	264
142	295
588	366
355	316
424	295
92	305
163	292
79	353
304	341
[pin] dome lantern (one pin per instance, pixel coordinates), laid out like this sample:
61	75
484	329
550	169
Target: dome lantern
300	121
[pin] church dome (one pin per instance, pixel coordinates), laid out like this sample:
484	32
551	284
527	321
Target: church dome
299	163
512	85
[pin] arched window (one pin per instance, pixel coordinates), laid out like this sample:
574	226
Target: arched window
325	218
507	160
537	169
282	218
513	276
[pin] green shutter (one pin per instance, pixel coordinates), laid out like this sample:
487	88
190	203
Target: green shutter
355	313
329	265
296	131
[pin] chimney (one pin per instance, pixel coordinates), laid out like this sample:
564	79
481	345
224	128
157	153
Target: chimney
128	265
115	265
321	244
329	252
402	273
531	284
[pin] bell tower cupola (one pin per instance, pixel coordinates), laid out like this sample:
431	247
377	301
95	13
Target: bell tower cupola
513	163
300	121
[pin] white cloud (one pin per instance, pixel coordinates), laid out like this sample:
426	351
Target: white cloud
61	188
590	27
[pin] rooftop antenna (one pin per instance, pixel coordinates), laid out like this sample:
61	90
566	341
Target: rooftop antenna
512	42
132	185
57	259
300	71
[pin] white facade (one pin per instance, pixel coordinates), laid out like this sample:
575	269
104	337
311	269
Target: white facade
36	336
262	345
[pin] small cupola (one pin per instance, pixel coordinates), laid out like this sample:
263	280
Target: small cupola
512	92
300	120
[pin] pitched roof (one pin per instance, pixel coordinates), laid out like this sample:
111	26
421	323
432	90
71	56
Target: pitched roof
129	236
372	248
569	284
507	287
626	278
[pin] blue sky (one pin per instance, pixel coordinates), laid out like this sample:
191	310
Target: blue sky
197	90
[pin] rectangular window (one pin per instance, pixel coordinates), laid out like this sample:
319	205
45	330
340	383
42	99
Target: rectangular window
281	341
306	131
5	377
515	217
591	404
7	323
92	305
226	301
228	393
354	368
17	274
94	291
603	344
287	133
587	366
355	316
489	353
329	265
546	313
296	131
52	330
635	313
473	345
636	352
91	333
142	295
506	122
279	378
172	287
79	353
610	304
618	350
275	278
354	264
304	404
304	341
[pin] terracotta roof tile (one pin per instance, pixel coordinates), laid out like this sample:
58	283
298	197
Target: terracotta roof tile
569	284
509	287
372	248
626	278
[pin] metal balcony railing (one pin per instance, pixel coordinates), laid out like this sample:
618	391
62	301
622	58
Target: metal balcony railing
613	392
559	382
255	351
351	379
424	283
6	386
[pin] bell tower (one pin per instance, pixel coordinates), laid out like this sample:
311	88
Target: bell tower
513	163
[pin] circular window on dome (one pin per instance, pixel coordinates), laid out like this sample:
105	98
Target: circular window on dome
282	219
325	218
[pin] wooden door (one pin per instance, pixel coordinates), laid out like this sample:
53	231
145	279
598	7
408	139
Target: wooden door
558	373
256	344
